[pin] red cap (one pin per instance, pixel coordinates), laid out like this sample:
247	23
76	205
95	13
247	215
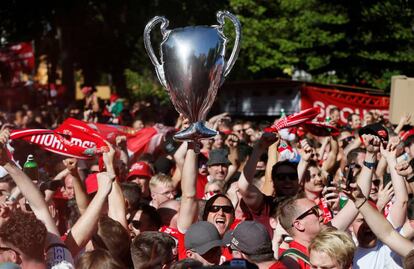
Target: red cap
407	134
91	183
141	169
86	89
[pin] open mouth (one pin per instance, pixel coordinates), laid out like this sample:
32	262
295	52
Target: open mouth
221	223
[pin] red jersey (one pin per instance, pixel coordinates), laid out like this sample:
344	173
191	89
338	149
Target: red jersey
301	248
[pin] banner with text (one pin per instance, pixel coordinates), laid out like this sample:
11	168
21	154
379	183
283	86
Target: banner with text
347	102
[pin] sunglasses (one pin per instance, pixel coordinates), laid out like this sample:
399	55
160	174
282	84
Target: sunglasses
376	182
136	224
225	208
311	211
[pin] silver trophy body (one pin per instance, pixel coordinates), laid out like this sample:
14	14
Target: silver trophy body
192	68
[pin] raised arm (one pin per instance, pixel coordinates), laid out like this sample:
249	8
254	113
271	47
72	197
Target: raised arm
272	158
86	225
380	226
29	191
306	153
232	141
399	206
346	215
405	119
331	160
188	210
116	201
372	145
81	197
252	196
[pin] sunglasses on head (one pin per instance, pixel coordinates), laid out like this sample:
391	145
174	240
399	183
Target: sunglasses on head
313	210
225	208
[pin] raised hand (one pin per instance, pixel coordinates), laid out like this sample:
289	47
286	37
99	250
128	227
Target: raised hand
306	152
267	139
105	180
404	169
390	150
120	141
70	164
331	196
232	141
4	138
372	143
385	193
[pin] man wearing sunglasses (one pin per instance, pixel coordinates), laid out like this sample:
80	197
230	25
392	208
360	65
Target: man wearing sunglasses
301	218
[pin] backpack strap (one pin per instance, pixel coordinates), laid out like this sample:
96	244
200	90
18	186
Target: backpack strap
293	252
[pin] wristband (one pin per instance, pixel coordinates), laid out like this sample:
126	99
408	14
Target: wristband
365	200
370	165
410	180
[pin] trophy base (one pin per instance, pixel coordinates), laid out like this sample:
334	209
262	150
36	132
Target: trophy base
195	132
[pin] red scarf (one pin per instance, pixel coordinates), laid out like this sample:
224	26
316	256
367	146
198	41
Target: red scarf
73	138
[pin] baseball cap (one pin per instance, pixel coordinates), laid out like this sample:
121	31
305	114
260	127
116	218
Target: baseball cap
201	237
218	156
375	129
251	238
140	169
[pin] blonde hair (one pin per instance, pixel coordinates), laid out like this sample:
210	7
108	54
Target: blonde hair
219	183
336	244
160	179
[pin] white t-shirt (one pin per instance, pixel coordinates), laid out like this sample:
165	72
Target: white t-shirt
380	256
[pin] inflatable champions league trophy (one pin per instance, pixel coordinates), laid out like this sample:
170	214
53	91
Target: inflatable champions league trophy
192	68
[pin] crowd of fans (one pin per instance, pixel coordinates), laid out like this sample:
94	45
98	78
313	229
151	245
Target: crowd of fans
243	199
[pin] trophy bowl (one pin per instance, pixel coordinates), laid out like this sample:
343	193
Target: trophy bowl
192	67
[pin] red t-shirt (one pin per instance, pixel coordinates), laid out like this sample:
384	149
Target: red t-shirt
179	240
201	184
302	249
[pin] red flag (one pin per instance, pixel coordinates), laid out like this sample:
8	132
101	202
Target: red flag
140	142
148	140
320	128
110	132
72	138
294	120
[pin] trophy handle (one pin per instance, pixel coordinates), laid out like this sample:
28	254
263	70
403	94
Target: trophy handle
147	42
220	18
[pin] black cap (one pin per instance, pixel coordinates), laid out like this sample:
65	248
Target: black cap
251	238
218	156
201	237
375	129
163	165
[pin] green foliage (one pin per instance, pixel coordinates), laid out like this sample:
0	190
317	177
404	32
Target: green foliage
279	34
142	86
365	42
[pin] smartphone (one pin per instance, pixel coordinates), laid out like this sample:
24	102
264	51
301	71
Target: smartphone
350	175
386	179
329	181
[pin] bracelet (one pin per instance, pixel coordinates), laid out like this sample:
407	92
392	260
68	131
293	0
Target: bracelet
410	180
365	200
370	165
